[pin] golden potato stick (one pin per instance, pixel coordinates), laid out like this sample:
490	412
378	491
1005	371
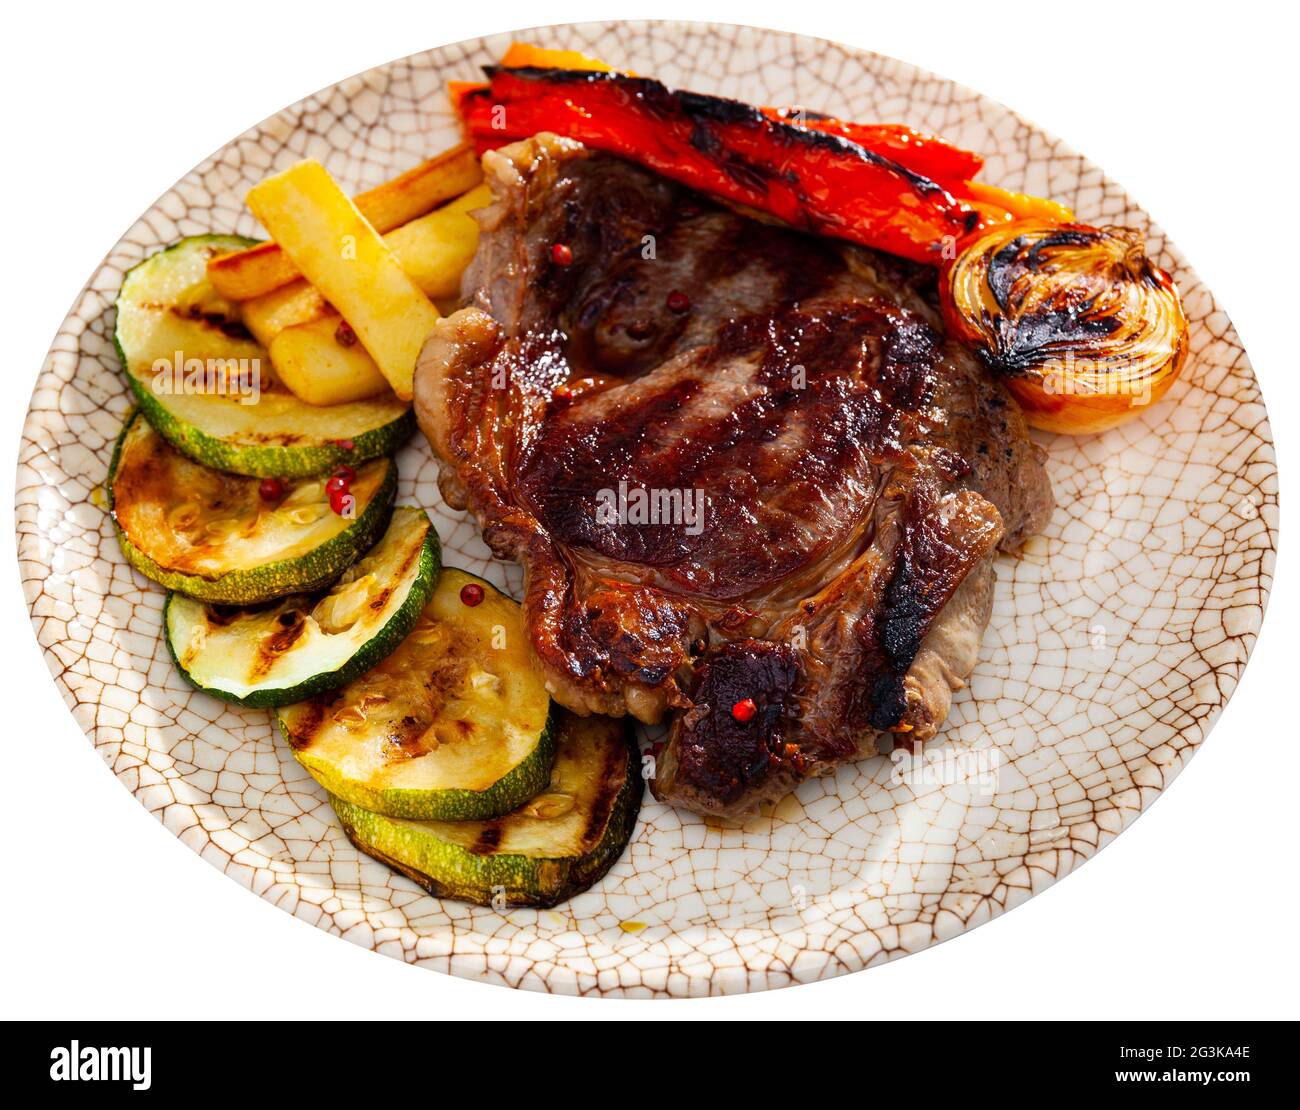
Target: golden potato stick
242	275
249	273
268	315
323	364
336	249
435	249
422	188
313	351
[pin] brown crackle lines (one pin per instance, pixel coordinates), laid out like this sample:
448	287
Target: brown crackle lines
1116	639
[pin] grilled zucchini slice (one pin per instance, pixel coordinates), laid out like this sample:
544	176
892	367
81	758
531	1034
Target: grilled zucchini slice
302	646
454	725
551	848
167	312
211	536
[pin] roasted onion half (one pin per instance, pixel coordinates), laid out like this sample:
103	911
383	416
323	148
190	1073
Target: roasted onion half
1083	327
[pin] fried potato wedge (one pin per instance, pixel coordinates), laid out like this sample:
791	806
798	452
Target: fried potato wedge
322	362
342	255
242	275
435	249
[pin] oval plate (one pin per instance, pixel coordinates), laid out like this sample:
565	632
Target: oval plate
1116	637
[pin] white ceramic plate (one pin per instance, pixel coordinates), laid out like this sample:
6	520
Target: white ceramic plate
1116	638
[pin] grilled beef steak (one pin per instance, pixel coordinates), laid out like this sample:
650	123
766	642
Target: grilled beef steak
750	482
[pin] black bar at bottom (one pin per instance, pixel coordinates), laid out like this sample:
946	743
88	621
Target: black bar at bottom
383	1062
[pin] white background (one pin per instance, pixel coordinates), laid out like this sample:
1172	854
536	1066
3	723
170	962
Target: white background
1192	913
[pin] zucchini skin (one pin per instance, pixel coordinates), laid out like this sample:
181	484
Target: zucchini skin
383	643
261	461
523	781
618	831
269	461
519	880
313	571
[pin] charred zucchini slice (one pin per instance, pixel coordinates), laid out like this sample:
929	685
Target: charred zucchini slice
302	646
169	318
212	536
549	849
454	725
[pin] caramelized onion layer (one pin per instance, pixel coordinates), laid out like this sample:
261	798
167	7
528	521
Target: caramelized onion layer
1084	328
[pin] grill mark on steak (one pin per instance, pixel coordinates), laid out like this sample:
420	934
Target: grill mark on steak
845	379
858	470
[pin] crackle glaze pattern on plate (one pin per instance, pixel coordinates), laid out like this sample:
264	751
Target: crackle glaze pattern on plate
1116	639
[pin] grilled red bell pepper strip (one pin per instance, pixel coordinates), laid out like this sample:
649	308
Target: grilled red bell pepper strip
814	180
931	155
921	151
520	55
950	166
941	161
